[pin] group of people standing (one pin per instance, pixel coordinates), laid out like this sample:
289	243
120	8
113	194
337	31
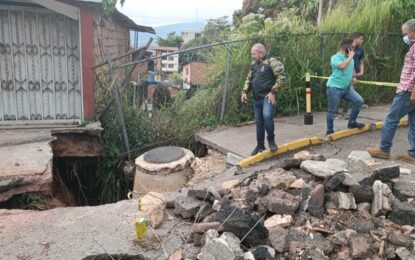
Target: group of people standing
266	77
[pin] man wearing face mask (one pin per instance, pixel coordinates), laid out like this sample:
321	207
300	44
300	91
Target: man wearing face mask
403	104
266	76
338	86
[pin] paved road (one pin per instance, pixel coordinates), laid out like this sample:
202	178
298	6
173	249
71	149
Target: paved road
242	140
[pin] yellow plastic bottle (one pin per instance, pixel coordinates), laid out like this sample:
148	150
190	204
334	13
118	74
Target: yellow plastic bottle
141	222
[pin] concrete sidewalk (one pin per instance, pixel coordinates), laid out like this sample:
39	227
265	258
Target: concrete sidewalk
242	140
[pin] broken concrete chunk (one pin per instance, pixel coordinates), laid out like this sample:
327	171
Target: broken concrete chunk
211	234
233	242
404	189
399	239
233	160
359	156
278	178
228	185
264	253
387	173
322	169
278	238
291	163
216	205
405	171
239	223
362	193
280	202
217	249
278	220
404	254
306	155
364	207
349	180
360	247
402	213
340	200
298	184
187	207
316	202
206	194
343	237
333	182
154	204
337	163
380	204
177	255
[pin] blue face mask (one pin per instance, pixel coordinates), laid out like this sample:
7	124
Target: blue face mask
406	40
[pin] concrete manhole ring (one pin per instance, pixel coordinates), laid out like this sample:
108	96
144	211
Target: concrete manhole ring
165	154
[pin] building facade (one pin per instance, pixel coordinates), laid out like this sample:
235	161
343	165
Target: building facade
47	51
190	34
194	73
165	66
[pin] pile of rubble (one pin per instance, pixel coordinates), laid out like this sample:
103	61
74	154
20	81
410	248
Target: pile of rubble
309	208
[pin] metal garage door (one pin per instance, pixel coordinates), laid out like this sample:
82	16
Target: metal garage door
40	78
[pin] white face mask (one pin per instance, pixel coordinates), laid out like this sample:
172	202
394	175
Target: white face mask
406	40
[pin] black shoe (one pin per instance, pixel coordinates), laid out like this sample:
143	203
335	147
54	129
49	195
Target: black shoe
355	125
257	150
273	146
329	132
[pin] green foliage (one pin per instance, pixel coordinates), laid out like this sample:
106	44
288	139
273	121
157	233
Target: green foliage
177	79
217	29
28	200
108	6
172	40
269	3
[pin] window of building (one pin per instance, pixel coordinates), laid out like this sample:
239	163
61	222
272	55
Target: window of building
171	66
171	58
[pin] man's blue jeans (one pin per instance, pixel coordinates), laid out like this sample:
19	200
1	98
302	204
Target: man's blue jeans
401	106
263	111
334	96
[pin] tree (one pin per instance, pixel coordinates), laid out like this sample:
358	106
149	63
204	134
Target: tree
109	5
172	40
217	29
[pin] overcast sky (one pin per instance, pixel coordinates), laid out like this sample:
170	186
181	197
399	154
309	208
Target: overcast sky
162	12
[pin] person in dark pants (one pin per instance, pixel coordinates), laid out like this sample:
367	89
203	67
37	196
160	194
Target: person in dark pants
266	76
403	104
359	63
338	86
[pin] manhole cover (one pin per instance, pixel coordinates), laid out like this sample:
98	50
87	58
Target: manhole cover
164	154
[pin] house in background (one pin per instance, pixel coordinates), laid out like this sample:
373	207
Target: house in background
163	67
47	50
191	34
194	73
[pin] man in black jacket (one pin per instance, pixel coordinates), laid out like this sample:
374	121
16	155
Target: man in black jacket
265	78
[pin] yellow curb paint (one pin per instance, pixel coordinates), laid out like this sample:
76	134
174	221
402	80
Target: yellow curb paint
349	132
301	143
316	140
281	149
378	125
403	122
